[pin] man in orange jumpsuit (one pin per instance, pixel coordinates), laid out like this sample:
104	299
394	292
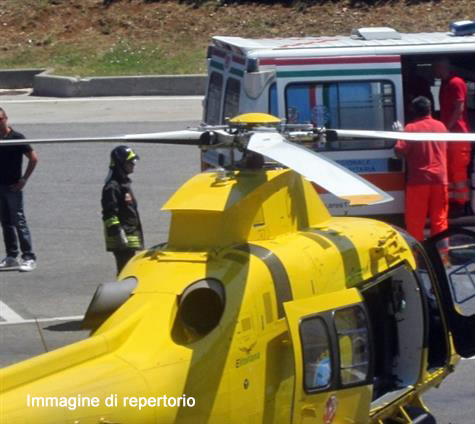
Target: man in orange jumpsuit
453	113
426	173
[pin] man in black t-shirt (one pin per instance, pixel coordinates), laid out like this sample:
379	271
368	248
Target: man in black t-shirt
12	181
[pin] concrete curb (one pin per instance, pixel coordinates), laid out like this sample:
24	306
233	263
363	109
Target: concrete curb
45	84
18	78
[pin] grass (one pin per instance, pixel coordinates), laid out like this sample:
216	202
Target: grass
121	58
84	37
124	58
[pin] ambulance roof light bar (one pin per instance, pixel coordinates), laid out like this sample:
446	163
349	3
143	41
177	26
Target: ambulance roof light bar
376	33
461	28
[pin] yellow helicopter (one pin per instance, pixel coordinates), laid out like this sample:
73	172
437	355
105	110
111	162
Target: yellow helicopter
261	307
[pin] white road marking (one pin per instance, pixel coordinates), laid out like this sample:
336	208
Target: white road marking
8	314
101	99
468	359
32	321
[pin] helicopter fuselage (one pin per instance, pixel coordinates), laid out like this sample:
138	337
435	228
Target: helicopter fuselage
261	307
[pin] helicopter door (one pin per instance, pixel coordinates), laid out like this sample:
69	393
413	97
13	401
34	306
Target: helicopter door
452	253
332	352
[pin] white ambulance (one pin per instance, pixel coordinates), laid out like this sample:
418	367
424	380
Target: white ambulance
362	81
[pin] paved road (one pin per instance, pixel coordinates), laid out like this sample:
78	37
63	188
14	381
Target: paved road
454	401
62	204
63	210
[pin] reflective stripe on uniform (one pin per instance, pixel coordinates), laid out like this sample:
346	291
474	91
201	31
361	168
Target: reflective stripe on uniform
458	185
133	241
459	191
459	196
113	220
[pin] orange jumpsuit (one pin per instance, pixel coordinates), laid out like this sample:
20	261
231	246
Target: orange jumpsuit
452	91
426	179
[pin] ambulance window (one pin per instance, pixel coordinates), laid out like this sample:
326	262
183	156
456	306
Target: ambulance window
352	332
316	351
366	105
273	104
213	99
231	98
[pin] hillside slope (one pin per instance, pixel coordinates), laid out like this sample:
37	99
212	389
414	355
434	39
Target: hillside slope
137	36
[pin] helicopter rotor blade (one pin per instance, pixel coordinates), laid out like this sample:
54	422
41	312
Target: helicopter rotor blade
409	136
326	173
185	137
17	142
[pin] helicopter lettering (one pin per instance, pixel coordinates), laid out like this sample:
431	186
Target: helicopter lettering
243	361
339	205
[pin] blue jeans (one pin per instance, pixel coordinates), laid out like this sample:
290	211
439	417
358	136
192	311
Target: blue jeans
14	223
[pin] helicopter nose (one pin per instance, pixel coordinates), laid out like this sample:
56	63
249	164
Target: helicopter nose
129	371
100	393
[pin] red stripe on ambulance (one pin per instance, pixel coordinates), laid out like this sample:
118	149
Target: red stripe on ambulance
331	60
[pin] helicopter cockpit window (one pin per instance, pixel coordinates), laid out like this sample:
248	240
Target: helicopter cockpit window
457	252
213	98
200	309
231	98
365	105
352	332
317	360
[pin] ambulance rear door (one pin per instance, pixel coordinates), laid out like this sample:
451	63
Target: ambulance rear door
226	70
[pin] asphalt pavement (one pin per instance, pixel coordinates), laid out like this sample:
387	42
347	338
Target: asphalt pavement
40	310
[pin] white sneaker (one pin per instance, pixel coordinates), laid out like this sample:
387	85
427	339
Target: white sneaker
27	265
9	263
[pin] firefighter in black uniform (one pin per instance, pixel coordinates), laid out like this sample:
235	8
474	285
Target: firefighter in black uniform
122	227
